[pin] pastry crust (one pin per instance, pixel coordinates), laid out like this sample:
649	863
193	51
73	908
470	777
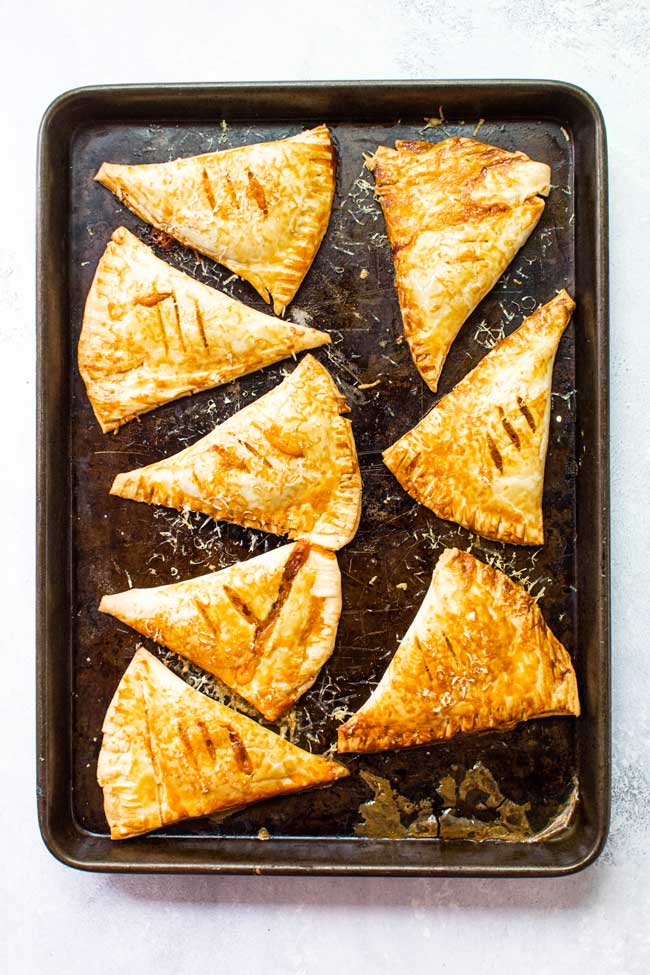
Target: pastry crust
265	627
456	214
477	656
478	457
152	334
169	753
285	464
261	210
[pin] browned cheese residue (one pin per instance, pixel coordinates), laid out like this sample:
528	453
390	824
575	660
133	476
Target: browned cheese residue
382	815
389	815
162	238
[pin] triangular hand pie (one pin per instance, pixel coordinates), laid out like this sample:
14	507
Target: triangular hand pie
477	656
262	210
478	457
285	464
265	627
151	334
171	753
456	214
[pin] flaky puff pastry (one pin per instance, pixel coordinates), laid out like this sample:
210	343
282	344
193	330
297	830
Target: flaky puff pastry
265	627
477	656
261	210
170	753
285	464
152	334
456	214
478	457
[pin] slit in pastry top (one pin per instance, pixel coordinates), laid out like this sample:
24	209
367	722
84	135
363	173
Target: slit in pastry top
261	210
456	214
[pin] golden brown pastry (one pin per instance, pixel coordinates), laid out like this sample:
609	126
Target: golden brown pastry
286	464
478	655
171	753
262	210
265	627
151	334
456	214
478	457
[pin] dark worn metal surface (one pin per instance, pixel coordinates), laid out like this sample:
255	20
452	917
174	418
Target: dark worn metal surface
109	543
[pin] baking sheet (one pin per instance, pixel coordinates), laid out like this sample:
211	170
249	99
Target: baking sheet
386	569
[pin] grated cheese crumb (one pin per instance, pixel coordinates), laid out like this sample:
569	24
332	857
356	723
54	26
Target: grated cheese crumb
431	123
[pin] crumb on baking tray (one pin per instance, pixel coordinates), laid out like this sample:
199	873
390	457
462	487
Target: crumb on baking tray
431	123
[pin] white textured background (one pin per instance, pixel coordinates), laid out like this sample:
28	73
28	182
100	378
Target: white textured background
53	919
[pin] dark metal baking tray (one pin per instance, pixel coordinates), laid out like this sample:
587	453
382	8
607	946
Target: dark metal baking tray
90	543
